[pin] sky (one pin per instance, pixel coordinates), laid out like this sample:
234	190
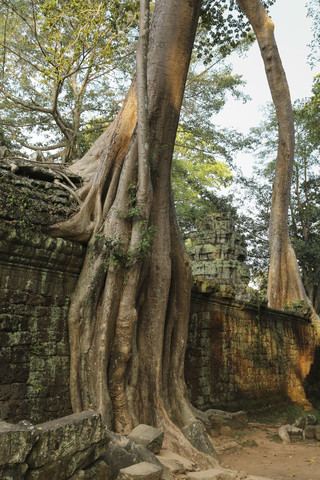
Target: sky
293	34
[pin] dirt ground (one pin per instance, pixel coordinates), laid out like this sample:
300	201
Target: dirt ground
257	450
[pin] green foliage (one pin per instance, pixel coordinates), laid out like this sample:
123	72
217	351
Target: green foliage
118	254
36	349
304	226
64	67
203	152
222	24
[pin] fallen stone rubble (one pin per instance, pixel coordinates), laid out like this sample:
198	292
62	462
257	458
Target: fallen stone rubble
80	447
303	427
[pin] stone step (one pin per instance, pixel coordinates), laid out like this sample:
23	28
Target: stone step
150	437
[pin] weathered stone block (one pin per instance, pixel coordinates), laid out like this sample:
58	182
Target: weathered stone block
317	432
63	437
148	436
187	464
141	471
99	470
196	434
64	468
310	431
172	464
16	441
13	472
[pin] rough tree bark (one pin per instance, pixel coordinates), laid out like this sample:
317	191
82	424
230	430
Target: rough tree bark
284	284
128	322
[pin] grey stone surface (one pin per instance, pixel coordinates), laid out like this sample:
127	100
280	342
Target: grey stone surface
64	468
141	471
99	470
305	420
65	436
171	464
16	442
217	253
310	431
196	433
55	450
286	432
148	436
123	452
13	472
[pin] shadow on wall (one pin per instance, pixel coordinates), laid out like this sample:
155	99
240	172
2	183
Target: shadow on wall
312	381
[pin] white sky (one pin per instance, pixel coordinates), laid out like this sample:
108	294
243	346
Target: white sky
293	34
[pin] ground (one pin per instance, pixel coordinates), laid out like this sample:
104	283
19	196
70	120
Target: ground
257	450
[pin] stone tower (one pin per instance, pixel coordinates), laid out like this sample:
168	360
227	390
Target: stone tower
218	254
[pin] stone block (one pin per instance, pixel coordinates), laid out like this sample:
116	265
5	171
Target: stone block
99	470
117	457
141	471
122	452
64	468
173	465
196	433
167	454
16	441
310	431
150	437
317	432
65	436
13	472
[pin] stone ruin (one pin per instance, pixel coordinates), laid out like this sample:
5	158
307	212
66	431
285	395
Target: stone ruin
218	254
240	354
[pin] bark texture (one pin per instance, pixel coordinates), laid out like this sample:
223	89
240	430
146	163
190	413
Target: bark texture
128	322
284	284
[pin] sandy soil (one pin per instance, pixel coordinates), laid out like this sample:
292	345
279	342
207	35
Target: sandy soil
257	450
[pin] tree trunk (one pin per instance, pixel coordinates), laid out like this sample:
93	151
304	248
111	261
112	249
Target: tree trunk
284	284
129	314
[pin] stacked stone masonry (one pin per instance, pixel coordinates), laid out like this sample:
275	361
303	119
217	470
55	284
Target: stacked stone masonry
241	356
218	253
238	354
37	276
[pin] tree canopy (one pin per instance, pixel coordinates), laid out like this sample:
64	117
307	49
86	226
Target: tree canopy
63	68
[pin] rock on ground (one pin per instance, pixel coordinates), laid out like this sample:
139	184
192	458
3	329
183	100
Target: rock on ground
141	471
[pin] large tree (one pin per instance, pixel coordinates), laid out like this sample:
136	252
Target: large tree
304	201
284	283
129	313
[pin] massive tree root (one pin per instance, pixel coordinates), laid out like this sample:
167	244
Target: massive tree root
129	314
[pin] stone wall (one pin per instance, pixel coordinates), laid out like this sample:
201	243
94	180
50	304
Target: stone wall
218	253
238	354
242	356
38	275
65	448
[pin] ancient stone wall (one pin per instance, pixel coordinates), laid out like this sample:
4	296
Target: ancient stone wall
238	354
242	356
218	253
37	276
69	447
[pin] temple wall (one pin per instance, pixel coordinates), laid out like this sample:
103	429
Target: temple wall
37	276
238	355
242	356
